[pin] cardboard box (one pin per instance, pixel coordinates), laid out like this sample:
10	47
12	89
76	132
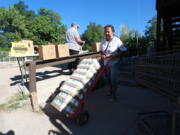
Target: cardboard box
62	50
31	46
47	52
22	48
96	46
30	42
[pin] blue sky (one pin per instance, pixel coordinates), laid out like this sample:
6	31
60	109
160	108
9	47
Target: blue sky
133	13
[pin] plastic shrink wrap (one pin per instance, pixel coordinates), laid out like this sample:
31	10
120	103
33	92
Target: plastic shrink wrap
73	90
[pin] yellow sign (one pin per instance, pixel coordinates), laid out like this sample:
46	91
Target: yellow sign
21	49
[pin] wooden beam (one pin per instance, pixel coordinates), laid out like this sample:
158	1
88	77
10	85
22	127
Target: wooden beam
41	65
173	130
51	62
63	61
33	65
32	86
178	101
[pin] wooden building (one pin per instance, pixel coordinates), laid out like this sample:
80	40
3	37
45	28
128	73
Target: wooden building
161	70
168	25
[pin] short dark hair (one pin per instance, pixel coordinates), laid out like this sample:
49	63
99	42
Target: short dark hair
112	27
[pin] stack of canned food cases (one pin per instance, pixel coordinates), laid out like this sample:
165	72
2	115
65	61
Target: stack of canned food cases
75	89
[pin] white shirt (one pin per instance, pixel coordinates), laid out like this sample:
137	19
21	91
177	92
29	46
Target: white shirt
71	36
111	48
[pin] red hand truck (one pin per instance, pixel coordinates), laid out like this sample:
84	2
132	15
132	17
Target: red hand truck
80	116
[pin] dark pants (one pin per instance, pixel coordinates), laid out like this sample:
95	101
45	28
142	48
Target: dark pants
73	65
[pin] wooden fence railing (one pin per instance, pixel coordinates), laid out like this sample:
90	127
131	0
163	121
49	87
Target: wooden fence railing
33	65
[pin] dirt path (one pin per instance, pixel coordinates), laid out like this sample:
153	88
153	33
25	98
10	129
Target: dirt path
8	87
105	118
23	120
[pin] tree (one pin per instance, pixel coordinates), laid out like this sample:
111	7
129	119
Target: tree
124	30
150	31
12	24
135	43
129	37
53	17
46	27
23	9
93	33
17	23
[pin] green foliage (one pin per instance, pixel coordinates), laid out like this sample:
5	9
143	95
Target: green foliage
4	49
2	106
93	33
4	42
15	102
12	24
44	31
135	43
54	18
17	23
87	47
150	31
23	10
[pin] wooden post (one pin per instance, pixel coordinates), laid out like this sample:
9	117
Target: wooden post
178	100
32	86
173	130
166	33
169	34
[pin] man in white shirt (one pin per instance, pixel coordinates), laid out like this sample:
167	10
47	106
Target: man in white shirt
112	47
74	42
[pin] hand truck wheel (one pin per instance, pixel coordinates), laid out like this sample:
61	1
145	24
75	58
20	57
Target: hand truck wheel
82	118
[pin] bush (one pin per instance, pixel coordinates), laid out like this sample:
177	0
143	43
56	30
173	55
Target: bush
87	47
4	49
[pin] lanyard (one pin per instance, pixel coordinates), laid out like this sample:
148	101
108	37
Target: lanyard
107	47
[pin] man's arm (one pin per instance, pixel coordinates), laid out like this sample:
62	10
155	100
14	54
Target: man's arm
119	54
79	41
122	51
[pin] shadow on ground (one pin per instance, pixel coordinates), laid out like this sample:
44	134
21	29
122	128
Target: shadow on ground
133	106
42	75
10	132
